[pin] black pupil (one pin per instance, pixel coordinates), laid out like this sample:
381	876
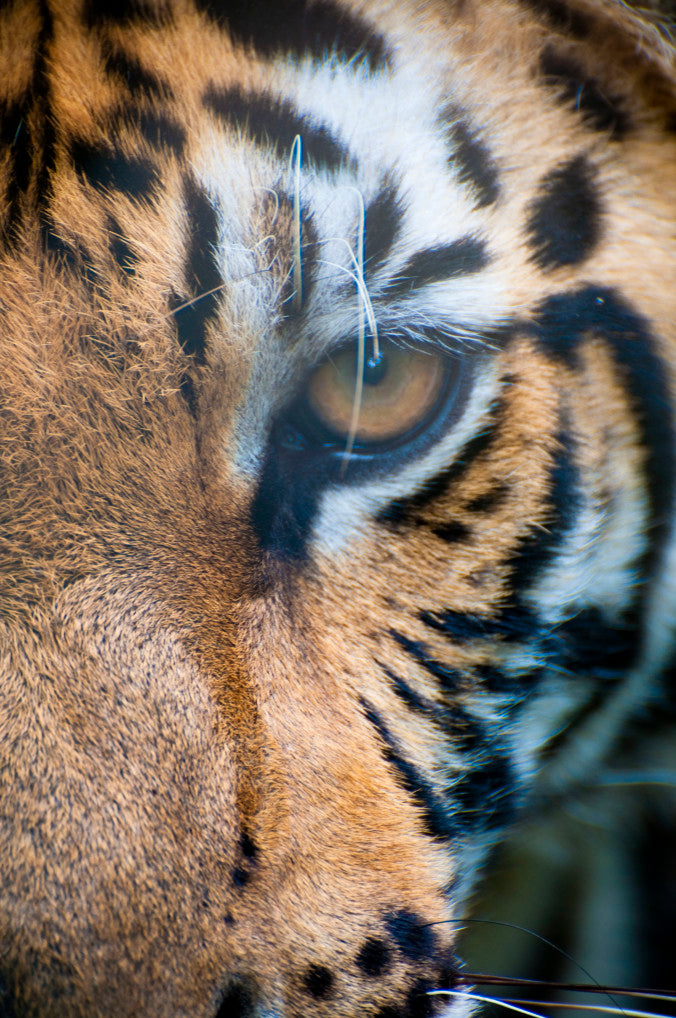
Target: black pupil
375	370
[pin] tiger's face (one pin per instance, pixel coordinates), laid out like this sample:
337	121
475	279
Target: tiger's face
337	439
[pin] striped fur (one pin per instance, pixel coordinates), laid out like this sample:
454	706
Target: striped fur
268	706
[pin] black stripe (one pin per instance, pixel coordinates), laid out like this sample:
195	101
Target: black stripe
415	938
452	532
450	679
563	323
538	548
490	499
299	28
668	686
464	732
46	165
514	623
470	157
284	508
73	257
248	846
403	511
485	796
600	110
436	264
408	695
274	123
124	255
15	135
593	645
559	15
588	644
106	169
43	94
240	877
497	680
461	627
318	981
433	812
202	270
137	78
239	1001
160	130
189	395
519	623
651	877
564	220
382	227
309	248
149	13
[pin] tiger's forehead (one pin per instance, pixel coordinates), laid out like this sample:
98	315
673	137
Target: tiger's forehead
261	167
271	188
371	149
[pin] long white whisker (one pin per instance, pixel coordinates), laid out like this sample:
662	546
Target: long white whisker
359	375
297	154
359	283
363	297
484	1000
358	260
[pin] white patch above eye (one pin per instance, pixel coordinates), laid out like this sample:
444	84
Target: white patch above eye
346	511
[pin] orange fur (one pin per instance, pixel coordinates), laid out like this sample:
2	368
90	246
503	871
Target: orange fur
165	688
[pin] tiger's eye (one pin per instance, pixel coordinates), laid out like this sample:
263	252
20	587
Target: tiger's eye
399	391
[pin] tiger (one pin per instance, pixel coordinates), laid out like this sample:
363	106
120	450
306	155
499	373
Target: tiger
337	545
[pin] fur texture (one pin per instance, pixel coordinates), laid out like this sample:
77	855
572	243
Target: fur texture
266	709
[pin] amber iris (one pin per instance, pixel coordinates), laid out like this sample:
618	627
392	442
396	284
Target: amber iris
400	390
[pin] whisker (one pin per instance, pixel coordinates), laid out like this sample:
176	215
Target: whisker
221	286
597	1008
365	311
531	933
297	153
196	300
484	1000
362	299
543	940
358	392
359	264
628	991
358	280
359	374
